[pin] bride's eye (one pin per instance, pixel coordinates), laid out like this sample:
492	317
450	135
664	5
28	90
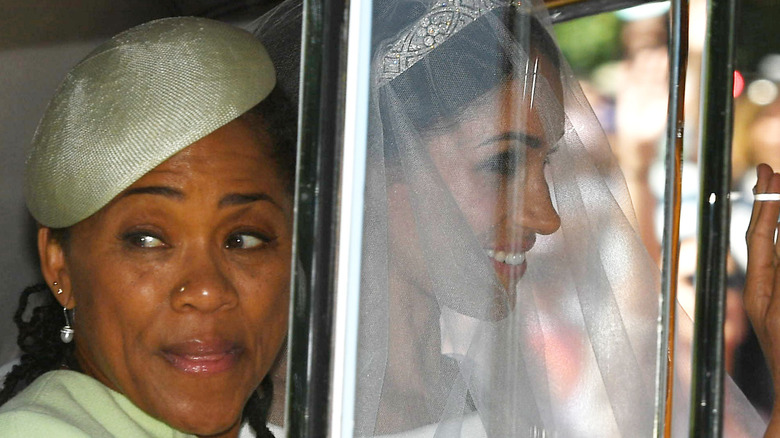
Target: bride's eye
550	153
143	240
503	163
245	241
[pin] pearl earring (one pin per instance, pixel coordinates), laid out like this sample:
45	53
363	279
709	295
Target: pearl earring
59	289
66	333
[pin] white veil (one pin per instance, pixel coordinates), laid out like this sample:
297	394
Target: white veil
570	350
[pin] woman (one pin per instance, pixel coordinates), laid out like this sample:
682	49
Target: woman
161	177
505	289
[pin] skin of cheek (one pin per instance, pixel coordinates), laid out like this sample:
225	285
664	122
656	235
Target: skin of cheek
476	198
487	201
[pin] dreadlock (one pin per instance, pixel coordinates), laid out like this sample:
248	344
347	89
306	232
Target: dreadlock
257	408
39	341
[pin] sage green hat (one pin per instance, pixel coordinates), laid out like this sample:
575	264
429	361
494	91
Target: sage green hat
131	104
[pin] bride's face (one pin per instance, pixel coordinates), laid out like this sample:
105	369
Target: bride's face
492	158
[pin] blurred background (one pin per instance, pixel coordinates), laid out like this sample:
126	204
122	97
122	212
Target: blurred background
621	61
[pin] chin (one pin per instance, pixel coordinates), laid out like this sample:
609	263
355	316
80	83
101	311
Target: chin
209	425
503	302
205	410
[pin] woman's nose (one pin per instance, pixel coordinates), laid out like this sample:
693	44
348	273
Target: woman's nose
537	212
206	287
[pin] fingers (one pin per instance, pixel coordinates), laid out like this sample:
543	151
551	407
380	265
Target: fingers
767	223
763	222
762	286
763	253
764	176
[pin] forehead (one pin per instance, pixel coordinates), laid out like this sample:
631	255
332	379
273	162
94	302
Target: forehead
236	158
529	99
238	146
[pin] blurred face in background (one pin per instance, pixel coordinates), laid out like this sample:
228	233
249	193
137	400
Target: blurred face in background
765	136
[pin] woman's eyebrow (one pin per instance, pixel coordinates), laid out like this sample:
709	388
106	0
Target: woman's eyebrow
168	192
529	140
230	199
233	199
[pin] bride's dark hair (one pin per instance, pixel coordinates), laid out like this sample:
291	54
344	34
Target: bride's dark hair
475	59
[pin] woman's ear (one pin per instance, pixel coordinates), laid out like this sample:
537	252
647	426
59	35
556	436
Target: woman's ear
51	252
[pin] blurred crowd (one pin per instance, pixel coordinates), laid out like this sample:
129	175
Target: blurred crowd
629	96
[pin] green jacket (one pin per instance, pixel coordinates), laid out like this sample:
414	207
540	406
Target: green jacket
67	404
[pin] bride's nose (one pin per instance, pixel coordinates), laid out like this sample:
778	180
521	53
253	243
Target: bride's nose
536	212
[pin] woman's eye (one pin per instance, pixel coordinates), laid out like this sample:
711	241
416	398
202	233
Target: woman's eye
144	240
550	154
504	164
245	241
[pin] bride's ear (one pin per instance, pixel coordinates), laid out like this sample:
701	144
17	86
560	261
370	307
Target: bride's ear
51	252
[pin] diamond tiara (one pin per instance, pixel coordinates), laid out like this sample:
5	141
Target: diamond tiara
446	18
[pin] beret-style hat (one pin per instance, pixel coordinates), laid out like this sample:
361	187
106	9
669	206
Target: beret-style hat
131	104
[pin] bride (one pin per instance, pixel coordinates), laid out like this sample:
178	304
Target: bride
505	290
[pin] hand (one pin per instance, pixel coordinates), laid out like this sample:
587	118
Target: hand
762	287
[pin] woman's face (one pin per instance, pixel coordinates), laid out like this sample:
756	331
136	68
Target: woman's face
493	159
181	283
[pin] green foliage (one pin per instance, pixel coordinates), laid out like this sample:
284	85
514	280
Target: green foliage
590	41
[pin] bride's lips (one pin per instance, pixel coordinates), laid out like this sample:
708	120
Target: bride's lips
509	260
202	357
508	264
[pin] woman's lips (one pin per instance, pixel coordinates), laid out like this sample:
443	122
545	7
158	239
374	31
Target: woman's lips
202	357
508	264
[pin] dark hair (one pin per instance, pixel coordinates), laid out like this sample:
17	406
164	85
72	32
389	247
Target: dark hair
38	339
278	117
39	334
477	59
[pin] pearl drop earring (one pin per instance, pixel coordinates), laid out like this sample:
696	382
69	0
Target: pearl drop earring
66	333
